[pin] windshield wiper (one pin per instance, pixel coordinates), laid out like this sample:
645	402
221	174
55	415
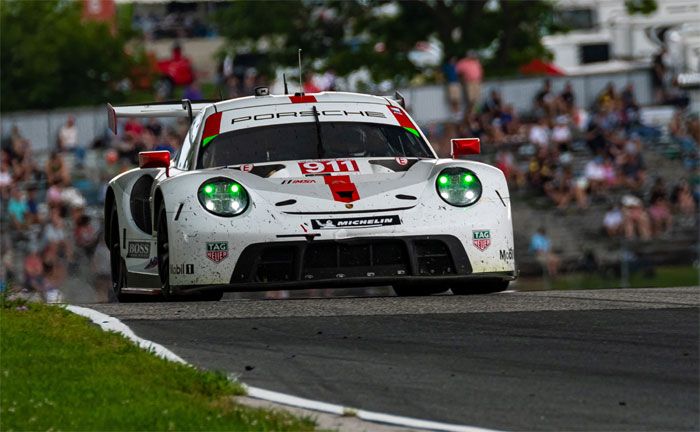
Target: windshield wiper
319	143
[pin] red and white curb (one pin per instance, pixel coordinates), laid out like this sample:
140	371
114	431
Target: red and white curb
109	323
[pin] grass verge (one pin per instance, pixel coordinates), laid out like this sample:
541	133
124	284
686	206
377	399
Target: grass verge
663	276
60	372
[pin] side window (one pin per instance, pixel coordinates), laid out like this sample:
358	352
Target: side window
186	152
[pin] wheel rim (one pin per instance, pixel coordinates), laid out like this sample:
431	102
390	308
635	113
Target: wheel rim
163	255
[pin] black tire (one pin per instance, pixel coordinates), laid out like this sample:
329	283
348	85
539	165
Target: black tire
162	247
210	295
481	287
118	268
417	290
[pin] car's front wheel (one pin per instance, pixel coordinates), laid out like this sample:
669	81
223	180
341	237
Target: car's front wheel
162	247
481	287
117	266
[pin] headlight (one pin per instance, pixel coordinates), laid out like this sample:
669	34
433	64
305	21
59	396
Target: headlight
459	187
223	197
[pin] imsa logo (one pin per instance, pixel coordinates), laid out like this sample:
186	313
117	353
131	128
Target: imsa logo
481	239
217	251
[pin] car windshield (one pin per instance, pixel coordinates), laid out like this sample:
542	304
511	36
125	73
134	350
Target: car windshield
299	141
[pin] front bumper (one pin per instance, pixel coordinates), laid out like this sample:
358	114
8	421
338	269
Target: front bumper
362	261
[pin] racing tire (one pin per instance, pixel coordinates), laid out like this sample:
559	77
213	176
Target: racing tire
481	287
117	265
162	248
404	290
211	295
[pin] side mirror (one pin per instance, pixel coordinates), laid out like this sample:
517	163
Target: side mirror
465	146
155	159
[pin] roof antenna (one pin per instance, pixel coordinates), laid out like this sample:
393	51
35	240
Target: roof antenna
284	78
221	94
301	83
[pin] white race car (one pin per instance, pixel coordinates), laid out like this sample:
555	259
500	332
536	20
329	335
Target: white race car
311	190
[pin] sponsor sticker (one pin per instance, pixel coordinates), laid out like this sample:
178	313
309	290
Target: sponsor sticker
138	249
247	167
401	161
217	251
181	268
364	222
299	181
506	255
328	166
152	263
481	239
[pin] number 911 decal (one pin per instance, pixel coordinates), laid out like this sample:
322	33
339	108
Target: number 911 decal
328	166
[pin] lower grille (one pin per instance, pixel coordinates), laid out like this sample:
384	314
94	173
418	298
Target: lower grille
338	260
356	258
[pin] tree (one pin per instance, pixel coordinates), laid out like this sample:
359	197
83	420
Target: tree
49	57
348	35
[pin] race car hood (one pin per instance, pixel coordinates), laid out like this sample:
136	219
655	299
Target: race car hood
308	187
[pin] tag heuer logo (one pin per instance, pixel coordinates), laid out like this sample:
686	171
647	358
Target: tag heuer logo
481	239
217	251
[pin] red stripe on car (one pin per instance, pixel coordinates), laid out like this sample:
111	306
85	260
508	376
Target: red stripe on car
302	99
342	188
212	126
401	117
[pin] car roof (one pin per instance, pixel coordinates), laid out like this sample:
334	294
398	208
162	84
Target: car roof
253	101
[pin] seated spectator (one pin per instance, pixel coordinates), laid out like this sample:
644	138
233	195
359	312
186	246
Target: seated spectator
682	198
660	214
33	271
506	163
680	131
493	105
17	209
5	178
85	235
57	170
68	140
539	133
562	189
635	218
542	247
567	100
561	134
595	135
607	98
632	169
55	235
545	102
612	221
595	174
32	206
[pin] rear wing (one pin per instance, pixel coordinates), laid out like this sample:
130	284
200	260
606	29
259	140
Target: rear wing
183	108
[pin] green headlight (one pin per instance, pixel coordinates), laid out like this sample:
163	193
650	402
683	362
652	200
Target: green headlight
459	187
223	197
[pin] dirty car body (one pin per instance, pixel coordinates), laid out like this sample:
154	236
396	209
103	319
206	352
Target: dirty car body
283	192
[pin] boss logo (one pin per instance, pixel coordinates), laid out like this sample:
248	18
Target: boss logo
138	250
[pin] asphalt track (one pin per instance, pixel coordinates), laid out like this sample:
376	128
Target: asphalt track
575	360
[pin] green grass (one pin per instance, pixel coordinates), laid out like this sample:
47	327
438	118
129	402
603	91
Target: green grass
665	276
60	372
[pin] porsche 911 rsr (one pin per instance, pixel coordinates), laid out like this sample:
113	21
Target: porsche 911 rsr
311	190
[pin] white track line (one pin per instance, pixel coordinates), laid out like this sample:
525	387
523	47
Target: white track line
110	323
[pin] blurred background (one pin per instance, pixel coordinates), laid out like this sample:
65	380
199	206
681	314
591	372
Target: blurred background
590	108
